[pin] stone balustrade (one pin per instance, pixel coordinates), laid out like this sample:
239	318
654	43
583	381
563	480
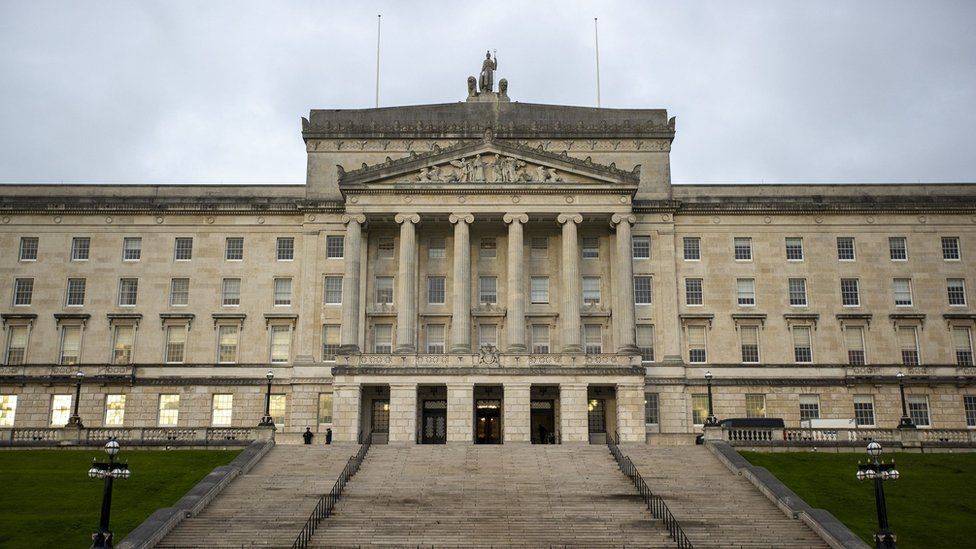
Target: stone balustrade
133	436
849	438
564	360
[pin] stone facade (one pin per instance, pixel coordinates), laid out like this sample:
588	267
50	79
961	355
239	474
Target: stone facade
486	271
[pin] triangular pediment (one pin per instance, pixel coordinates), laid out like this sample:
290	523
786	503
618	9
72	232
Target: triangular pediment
488	162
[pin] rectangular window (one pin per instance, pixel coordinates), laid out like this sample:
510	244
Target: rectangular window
969	403
956	288
277	405
384	290
282	292
70	345
591	290
591	247
699	409
756	405
962	343
809	407
8	410
184	249
898	248
385	247
333	290
645	342
593	339
28	248
75	294
124	339
23	291
692	248
794	249
383	338
798	292
114	410
335	246
132	248
285	248
228	340
696	344
540	339
234	249
488	290
750	344
169	410
950	248
539	289
16	345
230	293
325	407
903	292
746	291
175	344
280	343
918	410
330	342
641	246
864	410
540	247
742	247
179	291
436	290
908	343
436	247
694	292
128	292
487	335
845	248
854	340
488	248
643	290
222	410
60	410
652	409
850	293
80	248
802	345
435	339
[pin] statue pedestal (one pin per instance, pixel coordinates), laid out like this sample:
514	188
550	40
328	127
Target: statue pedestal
488	97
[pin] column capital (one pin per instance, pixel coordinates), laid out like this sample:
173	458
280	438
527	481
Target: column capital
407	217
616	219
358	218
461	218
515	218
571	217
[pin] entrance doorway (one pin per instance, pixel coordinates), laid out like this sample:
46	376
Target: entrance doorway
374	414
542	419
488	421
601	417
433	424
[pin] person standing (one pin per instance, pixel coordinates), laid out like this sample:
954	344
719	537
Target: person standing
328	436
307	435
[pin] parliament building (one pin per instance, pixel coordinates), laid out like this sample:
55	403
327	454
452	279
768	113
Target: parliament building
486	271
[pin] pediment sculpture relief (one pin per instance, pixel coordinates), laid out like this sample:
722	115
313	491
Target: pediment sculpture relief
495	168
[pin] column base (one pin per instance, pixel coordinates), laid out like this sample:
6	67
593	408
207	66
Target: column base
461	350
517	348
405	349
628	350
573	349
351	349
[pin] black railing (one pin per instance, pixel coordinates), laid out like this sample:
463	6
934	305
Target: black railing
323	509
655	503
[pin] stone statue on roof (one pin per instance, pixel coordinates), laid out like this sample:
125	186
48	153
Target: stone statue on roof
488	68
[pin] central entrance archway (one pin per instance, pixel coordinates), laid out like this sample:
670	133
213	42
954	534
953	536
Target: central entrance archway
432	423
544	414
488	414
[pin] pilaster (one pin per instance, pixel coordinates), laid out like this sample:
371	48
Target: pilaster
516	413
630	412
403	413
345	412
572	405
460	412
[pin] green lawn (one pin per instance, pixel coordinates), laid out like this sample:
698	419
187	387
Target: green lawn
47	499
931	505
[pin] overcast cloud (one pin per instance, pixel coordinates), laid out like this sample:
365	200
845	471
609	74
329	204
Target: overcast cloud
182	92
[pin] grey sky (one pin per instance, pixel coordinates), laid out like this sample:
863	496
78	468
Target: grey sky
149	92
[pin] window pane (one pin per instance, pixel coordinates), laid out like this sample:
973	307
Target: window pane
699	409
798	292
23	291
128	291
60	410
488	335
286	249
222	410
8	410
435	338
487	248
70	344
114	410
334	246
282	291
276	409
591	247
845	248
645	342
950	248
325	407
918	410
333	290
80	248
384	289
809	407
540	247
227	343
755	405
898	248
864	410
383	338
436	289
16	345
539	289
231	292
436	247
962	343
908	343
794	249
28	248
802	350
385	247
593	339
969	403
234	249
540	338
175	343
122	349
651	408
488	290
280	343
692	248
641	247
169	410
746	291
694	293
591	290
750	343
179	291
903	291
643	290
132	249
184	249
854	339
696	344
956	288
743	248
330	342
75	295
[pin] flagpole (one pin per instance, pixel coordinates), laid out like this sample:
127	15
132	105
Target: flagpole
378	16
596	36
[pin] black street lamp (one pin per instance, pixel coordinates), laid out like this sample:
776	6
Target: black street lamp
711	420
878	471
75	419
906	420
267	420
107	470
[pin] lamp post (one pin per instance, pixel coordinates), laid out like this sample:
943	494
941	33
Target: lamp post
75	419
906	420
878	471
107	470
711	420
267	420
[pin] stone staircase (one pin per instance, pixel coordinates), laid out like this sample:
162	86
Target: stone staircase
268	506
715	507
511	495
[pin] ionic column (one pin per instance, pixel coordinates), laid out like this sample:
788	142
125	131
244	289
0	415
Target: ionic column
406	287
623	269
351	284
569	316
461	293
516	283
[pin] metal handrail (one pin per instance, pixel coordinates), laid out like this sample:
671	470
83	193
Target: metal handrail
323	509
655	503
